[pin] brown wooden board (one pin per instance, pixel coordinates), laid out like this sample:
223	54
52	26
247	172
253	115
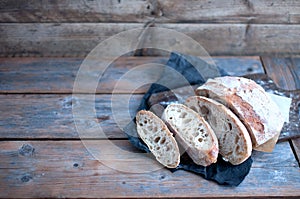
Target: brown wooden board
56	39
65	169
296	147
51	116
57	75
213	11
284	71
78	39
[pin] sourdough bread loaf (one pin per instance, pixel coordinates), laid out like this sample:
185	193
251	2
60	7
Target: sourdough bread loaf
193	133
251	104
154	132
234	140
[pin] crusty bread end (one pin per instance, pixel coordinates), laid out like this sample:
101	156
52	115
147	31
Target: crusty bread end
154	132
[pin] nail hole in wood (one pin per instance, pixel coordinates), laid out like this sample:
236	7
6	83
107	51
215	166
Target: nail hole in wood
75	165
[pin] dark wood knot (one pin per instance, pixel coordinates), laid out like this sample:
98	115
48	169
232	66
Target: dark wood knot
26	150
26	178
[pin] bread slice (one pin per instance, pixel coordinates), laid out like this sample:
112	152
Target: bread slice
154	132
251	104
193	133
234	140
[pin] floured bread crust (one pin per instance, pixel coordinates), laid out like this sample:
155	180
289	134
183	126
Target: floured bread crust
251	104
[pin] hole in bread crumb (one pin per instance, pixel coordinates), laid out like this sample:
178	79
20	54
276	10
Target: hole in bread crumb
170	118
157	148
141	124
230	126
145	121
193	108
168	148
205	135
156	140
163	140
204	110
200	139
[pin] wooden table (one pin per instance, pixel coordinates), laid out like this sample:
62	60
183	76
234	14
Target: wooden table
41	154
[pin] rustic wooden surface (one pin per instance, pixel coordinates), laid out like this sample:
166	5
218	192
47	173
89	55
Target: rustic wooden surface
288	68
66	169
78	39
31	75
50	116
43	43
296	147
74	28
42	156
207	11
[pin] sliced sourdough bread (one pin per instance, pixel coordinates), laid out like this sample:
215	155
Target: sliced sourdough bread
251	104
193	133
154	132
234	140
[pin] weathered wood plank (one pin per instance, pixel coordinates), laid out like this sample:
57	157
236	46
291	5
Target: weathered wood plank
212	11
284	71
66	169
54	39
253	11
57	75
51	116
242	39
296	146
78	39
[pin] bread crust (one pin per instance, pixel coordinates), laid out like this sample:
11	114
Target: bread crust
193	133
251	104
234	140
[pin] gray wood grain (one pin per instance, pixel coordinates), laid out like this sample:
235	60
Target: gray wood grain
57	75
213	11
51	117
78	39
66	169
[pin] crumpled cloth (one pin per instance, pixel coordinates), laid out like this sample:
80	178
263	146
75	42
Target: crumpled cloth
196	72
